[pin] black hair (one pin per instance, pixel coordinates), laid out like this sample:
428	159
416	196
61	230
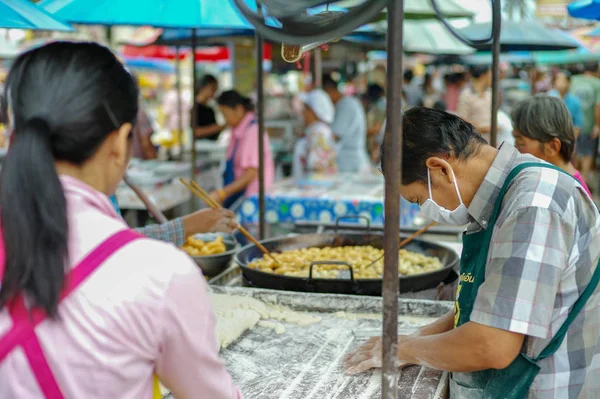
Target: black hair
478	71
232	99
408	75
64	100
206	80
328	82
543	118
374	92
590	66
431	132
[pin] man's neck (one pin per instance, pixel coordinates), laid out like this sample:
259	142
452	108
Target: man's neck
479	87
336	97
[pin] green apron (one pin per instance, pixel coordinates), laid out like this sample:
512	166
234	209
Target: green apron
515	380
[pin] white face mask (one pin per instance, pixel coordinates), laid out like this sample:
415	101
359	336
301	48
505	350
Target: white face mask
458	217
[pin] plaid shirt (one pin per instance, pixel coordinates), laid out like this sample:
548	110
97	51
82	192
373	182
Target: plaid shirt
544	250
171	231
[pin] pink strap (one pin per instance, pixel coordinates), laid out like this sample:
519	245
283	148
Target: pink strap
22	332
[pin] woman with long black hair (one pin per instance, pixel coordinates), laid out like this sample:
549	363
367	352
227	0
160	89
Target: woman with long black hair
89	308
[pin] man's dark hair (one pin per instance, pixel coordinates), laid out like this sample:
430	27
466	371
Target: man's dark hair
543	118
374	92
430	132
408	75
206	80
590	66
328	82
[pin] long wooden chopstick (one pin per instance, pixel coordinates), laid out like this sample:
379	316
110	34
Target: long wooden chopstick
200	193
407	240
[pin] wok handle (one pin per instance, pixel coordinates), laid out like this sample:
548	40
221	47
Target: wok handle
330	262
350	217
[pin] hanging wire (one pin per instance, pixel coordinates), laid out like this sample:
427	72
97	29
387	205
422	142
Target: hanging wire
496	24
301	28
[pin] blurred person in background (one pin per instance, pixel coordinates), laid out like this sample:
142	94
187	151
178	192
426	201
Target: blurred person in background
349	127
240	178
562	84
412	92
475	101
143	148
376	110
454	82
542	83
315	152
206	126
587	88
543	127
432	98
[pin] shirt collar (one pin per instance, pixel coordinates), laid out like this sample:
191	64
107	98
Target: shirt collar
239	130
77	192
482	205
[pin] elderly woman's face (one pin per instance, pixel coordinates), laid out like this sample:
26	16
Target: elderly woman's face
526	145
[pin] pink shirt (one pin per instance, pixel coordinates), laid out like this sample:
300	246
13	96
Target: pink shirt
245	136
579	178
132	318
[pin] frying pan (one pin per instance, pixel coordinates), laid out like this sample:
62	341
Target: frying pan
345	285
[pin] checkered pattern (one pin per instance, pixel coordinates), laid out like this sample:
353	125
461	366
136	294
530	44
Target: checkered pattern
545	247
171	231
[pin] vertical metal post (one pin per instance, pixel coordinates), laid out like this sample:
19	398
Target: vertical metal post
496	22
260	116
193	119
393	178
179	99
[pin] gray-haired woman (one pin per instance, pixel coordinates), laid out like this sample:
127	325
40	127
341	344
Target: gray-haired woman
543	127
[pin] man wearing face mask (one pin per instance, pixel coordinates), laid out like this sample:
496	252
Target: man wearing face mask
529	272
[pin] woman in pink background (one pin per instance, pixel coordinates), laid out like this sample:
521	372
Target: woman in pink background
240	178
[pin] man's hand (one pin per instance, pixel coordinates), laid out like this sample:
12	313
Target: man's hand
367	356
596	132
209	221
216	197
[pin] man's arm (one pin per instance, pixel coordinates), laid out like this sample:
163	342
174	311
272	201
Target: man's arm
470	347
441	325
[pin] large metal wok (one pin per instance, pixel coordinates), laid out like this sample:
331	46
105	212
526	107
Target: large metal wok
256	278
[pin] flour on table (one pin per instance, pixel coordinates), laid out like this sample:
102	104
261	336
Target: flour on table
236	314
277	327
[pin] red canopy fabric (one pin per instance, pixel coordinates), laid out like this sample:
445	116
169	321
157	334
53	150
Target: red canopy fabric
210	54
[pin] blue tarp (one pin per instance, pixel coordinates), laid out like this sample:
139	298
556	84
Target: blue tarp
586	9
201	14
22	14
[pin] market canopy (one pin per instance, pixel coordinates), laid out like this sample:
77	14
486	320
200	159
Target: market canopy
22	14
420	36
521	36
586	9
421	9
189	14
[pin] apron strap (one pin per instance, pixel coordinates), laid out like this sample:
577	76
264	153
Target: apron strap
22	333
580	303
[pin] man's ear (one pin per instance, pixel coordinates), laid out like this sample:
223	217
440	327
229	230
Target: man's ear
441	166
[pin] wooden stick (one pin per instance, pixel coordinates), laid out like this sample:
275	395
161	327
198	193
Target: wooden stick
152	209
407	240
200	193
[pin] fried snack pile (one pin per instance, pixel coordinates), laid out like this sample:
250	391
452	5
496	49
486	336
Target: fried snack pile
195	247
296	263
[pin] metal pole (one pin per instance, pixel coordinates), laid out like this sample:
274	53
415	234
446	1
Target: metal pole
260	115
495	75
393	174
193	119
179	99
318	68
